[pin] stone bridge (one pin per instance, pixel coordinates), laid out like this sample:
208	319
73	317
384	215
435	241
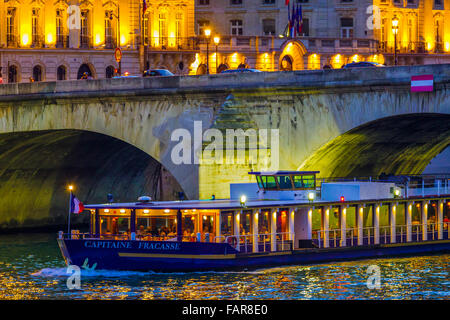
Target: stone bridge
109	135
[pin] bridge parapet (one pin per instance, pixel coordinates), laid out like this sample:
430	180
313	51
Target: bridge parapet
355	78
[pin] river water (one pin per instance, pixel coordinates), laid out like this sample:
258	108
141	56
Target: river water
31	267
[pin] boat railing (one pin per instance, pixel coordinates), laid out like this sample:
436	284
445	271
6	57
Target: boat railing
368	236
245	243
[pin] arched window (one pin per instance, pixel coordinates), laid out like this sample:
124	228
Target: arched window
286	64
201	69
61	73
12	74
84	68
222	67
109	72
37	73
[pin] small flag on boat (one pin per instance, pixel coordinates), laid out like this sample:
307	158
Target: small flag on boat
76	206
422	83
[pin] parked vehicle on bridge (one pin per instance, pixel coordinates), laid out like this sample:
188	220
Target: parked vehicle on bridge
241	70
157	73
362	64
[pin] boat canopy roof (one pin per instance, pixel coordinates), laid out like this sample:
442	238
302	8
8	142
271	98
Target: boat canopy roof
198	204
282	173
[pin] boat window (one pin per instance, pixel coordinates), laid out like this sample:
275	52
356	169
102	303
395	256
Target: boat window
269	182
226	227
284	182
298	182
306	181
264	222
258	180
246	222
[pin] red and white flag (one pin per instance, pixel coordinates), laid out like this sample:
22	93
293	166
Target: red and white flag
422	83
76	206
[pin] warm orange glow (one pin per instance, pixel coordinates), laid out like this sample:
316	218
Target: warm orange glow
216	40
70	187
207	32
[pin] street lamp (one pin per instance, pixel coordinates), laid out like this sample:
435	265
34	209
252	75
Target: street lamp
216	42
112	15
395	31
207	34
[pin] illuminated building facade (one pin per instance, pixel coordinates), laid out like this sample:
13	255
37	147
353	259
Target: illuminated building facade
62	39
334	33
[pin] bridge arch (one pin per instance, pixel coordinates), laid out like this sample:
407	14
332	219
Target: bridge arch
36	167
398	145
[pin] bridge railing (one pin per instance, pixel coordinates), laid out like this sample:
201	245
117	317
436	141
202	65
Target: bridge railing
284	241
335	238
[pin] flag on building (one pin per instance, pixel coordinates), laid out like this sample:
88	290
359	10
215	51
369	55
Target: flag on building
286	2
144	6
300	20
76	206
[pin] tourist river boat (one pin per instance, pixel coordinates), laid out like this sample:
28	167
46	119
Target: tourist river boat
287	217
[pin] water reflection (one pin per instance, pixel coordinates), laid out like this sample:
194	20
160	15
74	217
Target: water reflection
31	268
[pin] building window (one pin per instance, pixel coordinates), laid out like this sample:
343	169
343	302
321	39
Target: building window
37	73
269	1
12	74
178	27
305	27
61	73
162	29
60	43
11	27
346	27
202	25
35	28
268	27
235	2
145	29
203	2
109	32
236	27
84	32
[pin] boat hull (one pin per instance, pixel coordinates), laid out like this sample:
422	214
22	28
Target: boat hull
193	256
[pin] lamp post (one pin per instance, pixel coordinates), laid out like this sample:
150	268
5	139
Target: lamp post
216	42
70	208
207	34
395	31
118	35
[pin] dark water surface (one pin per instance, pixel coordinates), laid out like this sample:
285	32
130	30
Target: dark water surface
31	267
